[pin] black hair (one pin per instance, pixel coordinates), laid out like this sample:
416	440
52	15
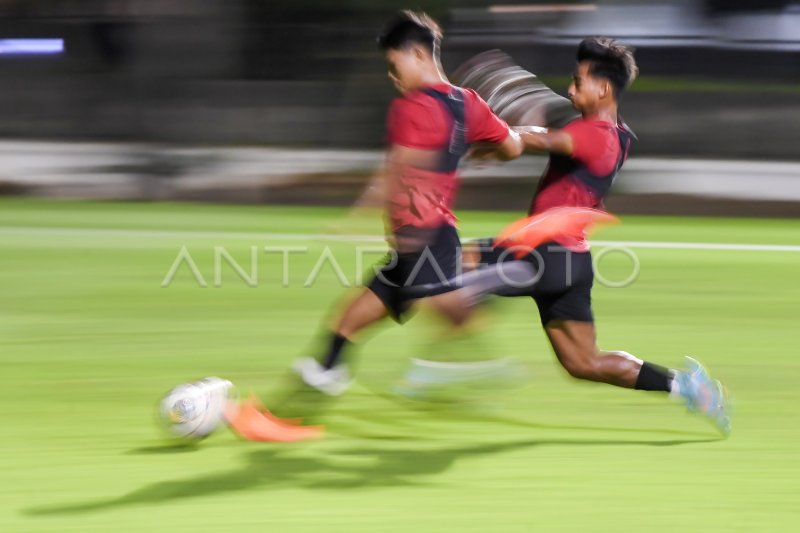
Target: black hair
610	60
408	28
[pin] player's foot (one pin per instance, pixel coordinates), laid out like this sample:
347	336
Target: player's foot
333	381
705	395
425	377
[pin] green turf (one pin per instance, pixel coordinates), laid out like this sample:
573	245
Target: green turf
89	341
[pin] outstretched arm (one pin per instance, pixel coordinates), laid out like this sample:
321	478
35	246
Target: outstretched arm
397	159
511	148
373	194
551	141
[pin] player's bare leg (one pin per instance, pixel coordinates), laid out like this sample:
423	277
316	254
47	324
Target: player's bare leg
575	346
327	375
366	309
456	349
458	354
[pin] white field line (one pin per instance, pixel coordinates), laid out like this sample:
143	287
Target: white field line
126	233
701	246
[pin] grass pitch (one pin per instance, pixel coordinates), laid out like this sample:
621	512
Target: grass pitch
89	341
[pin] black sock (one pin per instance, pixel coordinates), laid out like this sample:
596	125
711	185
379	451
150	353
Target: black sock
653	377
334	354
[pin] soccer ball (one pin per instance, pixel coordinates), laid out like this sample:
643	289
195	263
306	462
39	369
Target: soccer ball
193	411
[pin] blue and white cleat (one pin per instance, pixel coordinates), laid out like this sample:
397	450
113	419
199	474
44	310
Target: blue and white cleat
705	395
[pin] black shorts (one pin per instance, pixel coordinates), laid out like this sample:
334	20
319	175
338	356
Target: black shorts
421	256
564	285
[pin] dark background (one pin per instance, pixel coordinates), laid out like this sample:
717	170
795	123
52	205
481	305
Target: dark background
307	73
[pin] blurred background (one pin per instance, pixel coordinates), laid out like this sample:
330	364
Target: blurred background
284	101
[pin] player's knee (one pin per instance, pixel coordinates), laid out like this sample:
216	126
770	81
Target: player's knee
581	368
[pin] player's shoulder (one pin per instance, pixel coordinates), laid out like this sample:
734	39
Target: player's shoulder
582	122
413	102
425	96
591	127
471	96
626	130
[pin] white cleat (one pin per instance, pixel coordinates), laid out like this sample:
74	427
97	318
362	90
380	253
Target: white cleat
333	382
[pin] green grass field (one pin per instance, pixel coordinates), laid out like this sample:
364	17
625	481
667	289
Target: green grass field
89	341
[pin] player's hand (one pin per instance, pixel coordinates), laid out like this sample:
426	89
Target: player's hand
522	130
481	153
481	156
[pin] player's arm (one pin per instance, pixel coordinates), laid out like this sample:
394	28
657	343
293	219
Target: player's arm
551	141
489	135
373	194
510	148
398	159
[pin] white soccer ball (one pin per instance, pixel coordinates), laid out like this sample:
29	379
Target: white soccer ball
194	410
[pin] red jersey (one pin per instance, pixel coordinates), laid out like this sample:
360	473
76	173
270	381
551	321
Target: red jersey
583	179
596	150
424	198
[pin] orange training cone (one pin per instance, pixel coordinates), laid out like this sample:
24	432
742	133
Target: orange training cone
567	225
251	421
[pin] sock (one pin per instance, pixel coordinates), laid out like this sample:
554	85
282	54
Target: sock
338	342
675	389
654	378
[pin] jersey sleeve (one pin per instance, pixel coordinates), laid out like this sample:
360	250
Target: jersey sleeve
410	124
482	124
589	143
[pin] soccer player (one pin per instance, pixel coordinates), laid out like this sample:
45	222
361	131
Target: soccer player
430	127
585	157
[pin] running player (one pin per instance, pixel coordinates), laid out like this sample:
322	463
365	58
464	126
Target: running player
430	127
585	157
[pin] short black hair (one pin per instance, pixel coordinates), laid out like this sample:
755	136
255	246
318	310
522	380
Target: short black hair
610	60
408	28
